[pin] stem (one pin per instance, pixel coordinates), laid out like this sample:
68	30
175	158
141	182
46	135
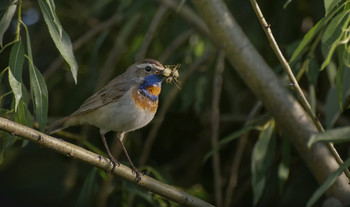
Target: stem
19	20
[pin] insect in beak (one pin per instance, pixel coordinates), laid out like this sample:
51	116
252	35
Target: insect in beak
172	74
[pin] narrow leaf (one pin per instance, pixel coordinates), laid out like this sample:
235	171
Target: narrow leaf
262	156
6	20
15	71
329	182
38	88
332	112
337	135
16	60
307	39
23	115
329	5
58	35
40	99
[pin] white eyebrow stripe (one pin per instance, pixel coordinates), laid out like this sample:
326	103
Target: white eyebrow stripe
143	65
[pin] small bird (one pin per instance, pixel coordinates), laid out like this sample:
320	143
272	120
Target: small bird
125	104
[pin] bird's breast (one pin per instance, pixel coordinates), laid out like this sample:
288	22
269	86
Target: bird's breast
153	90
143	99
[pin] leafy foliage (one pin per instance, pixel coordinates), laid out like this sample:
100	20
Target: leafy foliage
256	156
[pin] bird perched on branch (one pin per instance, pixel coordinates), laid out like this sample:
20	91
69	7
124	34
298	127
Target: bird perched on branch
126	103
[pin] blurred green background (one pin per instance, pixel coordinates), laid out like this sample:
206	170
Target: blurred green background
35	176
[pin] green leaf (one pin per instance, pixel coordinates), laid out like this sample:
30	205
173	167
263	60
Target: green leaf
59	36
6	20
23	115
329	5
307	39
312	71
283	167
262	157
16	60
329	182
40	99
16	87
339	79
38	88
337	135
333	35
332	108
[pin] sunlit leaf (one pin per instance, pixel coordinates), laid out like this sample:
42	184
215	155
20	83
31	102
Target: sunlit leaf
262	157
329	182
337	135
16	87
6	20
59	36
329	5
333	35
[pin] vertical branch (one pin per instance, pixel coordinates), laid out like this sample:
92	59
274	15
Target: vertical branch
232	182
304	102
215	117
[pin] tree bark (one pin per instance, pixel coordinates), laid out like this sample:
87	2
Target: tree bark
260	78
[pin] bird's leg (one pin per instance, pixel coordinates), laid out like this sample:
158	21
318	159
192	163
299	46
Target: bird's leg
113	160
132	166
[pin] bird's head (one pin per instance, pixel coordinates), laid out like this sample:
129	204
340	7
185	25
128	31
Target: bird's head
147	72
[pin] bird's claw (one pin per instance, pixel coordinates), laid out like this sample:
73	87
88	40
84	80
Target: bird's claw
114	163
137	173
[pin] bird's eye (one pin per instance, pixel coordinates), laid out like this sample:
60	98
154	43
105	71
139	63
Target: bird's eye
148	68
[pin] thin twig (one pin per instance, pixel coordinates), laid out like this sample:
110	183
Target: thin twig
232	182
156	21
294	82
215	117
165	106
85	38
76	152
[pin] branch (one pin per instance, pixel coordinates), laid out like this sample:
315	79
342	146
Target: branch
76	152
288	113
293	80
215	117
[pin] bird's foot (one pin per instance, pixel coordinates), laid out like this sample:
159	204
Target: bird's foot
137	173
114	163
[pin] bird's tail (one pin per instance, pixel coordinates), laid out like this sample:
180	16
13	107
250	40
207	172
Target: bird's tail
57	126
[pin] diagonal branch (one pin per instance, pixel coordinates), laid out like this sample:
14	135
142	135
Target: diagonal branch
76	152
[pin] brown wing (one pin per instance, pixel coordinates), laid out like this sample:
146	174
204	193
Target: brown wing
110	93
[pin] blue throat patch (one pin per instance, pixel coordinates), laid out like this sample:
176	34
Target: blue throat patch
151	80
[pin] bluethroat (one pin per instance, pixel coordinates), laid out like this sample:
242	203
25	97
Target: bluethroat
126	103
